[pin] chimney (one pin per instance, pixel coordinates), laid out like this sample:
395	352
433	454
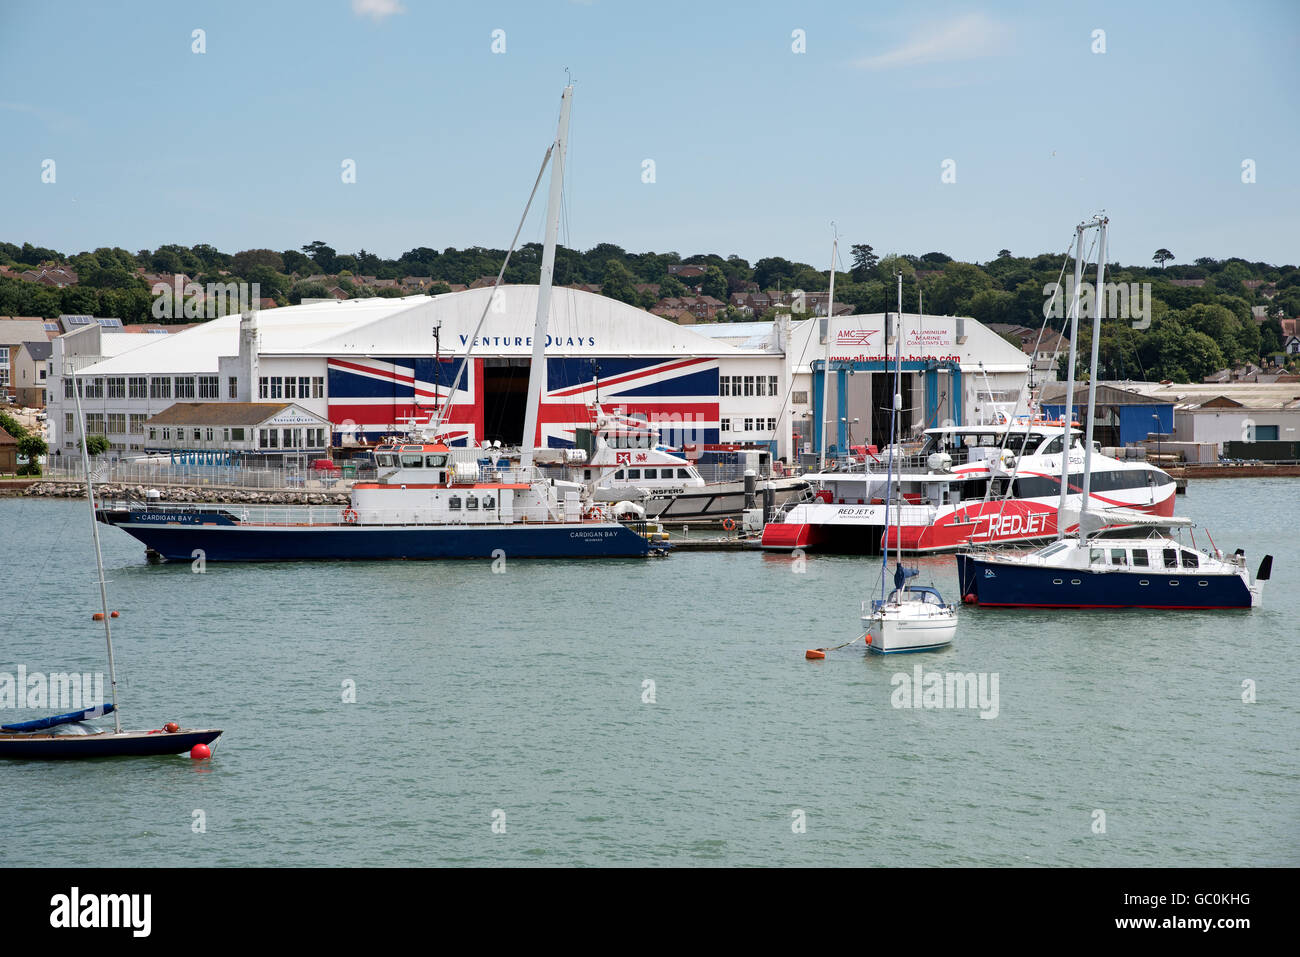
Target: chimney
246	389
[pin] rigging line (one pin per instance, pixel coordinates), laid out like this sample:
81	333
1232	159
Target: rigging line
460	370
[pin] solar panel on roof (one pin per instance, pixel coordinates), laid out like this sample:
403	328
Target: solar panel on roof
110	323
157	332
51	327
78	320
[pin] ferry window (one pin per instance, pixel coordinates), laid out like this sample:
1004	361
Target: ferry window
683	473
384	461
454	502
986	440
1053	447
586	475
471	503
634	473
1140	558
435	461
619	476
1171	558
1118	556
489	501
412	461
1190	560
652	473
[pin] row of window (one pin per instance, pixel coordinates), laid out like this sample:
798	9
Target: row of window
471	502
267	438
748	385
1141	557
291	387
114	423
152	387
756	424
292	438
1036	486
637	475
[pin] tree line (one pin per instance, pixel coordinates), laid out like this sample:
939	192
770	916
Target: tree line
1194	331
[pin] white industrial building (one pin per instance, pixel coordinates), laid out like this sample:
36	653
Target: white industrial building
370	366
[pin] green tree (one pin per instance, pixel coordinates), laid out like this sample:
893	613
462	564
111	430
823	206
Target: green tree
714	283
950	293
243	262
31	447
12	426
1162	256
864	262
617	282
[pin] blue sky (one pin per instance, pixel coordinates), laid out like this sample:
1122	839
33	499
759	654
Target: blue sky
757	148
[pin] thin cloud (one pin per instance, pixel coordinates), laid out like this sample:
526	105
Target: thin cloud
965	38
377	9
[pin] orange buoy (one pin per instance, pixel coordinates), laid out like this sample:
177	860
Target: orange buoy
113	614
970	599
171	727
200	751
868	639
813	654
97	616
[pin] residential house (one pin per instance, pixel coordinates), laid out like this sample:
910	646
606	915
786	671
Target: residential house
8	453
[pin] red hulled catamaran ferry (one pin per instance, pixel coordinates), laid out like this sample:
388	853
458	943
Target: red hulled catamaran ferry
967	485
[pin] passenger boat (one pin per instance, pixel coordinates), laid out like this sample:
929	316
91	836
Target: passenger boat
429	500
977	484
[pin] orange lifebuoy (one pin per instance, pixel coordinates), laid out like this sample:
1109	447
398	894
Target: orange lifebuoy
597	513
350	516
729	524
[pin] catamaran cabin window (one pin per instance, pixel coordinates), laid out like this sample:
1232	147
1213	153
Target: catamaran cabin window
1171	558
412	461
1140	558
683	473
1190	560
652	473
633	473
1118	556
619	476
1096	556
1053	447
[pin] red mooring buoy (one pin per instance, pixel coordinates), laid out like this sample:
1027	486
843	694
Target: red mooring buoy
200	751
813	654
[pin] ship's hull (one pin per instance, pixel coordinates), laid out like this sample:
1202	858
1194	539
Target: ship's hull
238	542
996	584
897	634
106	744
716	501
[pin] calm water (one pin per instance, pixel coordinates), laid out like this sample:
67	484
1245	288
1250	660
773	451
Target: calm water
522	692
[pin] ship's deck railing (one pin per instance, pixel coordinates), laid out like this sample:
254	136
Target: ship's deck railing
299	515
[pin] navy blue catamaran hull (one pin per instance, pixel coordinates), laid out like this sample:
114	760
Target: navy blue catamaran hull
233	542
995	584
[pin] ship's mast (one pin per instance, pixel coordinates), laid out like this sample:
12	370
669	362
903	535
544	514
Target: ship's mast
1067	416
1097	309
537	370
826	362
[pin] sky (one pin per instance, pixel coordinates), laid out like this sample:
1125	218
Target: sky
766	123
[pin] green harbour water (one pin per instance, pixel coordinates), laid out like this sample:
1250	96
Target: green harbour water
524	697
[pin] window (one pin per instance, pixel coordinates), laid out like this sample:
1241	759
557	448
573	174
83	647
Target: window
724	385
454	502
683	473
799	398
760	387
95	423
290	387
208	433
725	425
67	423
471	503
237	435
94	389
771	425
1171	558
136	423
153	433
184	387
167	434
117	387
138	387
749	425
489	501
652	473
263	388
1190	559
1118	556
117	423
634	473
277	387
318	387
198	435
209	387
67	388
304	386
233	388
1140	558
773	385
1096	556
293	438
160	387
1266	433
749	385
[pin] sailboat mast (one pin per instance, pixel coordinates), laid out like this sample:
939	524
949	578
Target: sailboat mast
537	370
1067	416
826	362
1097	309
99	557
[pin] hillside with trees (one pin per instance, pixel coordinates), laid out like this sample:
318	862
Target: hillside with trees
1205	315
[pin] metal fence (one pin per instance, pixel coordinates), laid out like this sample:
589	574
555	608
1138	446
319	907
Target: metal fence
165	474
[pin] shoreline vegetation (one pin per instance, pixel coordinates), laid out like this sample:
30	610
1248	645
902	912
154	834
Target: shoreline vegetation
1204	316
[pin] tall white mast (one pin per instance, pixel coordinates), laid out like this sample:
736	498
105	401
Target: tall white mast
537	370
826	360
1067	416
1092	373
